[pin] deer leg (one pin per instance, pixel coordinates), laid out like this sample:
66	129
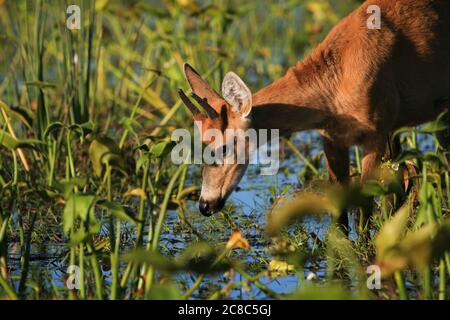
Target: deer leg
393	150
338	165
373	156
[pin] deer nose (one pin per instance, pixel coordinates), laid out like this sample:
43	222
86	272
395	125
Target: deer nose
208	208
204	208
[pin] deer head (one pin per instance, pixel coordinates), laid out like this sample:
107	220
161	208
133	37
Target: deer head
230	116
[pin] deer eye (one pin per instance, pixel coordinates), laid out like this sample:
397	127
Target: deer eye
221	154
223	151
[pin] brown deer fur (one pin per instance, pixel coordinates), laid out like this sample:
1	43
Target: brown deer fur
360	84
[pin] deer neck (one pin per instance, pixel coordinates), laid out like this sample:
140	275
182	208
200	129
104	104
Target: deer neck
298	101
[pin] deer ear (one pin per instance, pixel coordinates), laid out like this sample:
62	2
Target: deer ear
237	94
200	86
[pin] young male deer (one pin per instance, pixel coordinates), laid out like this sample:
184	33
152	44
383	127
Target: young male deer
356	87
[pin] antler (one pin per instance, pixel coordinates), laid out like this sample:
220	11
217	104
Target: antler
212	114
208	108
188	103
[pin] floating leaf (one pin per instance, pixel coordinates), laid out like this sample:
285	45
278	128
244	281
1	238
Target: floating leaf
280	266
237	241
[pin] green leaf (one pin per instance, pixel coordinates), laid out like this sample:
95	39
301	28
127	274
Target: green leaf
66	186
52	127
78	237
327	292
408	155
434	158
22	114
156	11
155	259
391	232
374	188
7	141
166	291
116	210
82	129
142	161
162	149
429	205
100	4
199	257
417	246
77	206
104	150
40	84
441	242
301	205
279	268
433	127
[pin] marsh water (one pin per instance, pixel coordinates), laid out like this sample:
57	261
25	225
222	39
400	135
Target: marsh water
247	207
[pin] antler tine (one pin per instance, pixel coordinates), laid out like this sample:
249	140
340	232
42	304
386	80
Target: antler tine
188	103
208	108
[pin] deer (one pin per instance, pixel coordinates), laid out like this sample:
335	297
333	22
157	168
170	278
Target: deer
356	87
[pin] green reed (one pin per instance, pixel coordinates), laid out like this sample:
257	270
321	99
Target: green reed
85	123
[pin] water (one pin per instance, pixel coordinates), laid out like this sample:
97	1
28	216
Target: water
49	260
251	203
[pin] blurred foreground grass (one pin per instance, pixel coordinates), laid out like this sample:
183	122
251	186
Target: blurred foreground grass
86	117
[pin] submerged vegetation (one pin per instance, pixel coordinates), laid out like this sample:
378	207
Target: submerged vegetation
91	206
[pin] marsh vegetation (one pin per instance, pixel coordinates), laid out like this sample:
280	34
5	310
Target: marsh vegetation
86	178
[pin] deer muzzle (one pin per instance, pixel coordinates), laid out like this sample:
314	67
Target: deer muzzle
208	208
